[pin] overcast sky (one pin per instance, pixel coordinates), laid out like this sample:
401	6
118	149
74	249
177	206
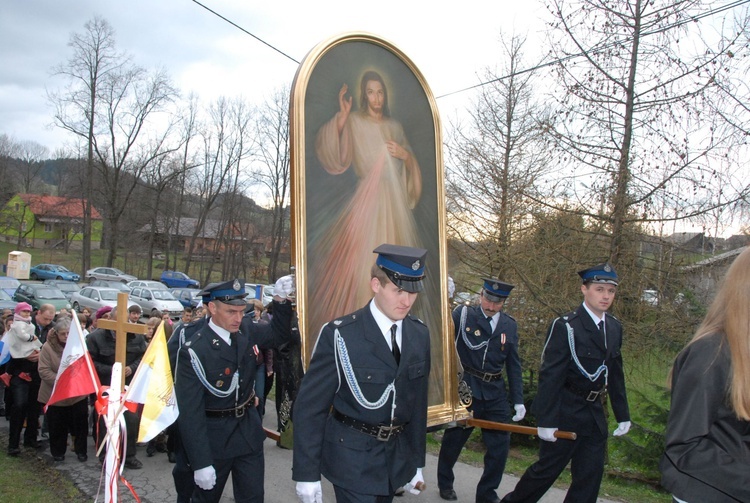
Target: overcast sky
451	43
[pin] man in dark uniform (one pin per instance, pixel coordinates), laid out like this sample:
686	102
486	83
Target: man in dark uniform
487	342
361	413
220	431
581	363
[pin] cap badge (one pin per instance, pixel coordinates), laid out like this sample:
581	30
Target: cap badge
236	285
607	268
415	265
495	286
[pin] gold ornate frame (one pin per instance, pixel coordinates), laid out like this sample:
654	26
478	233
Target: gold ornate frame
315	88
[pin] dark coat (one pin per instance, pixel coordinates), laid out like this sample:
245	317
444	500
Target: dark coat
707	456
556	406
208	438
499	357
101	345
347	457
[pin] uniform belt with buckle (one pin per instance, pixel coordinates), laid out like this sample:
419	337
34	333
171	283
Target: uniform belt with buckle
589	395
484	376
238	411
382	432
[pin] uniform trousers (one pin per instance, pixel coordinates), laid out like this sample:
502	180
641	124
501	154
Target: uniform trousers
247	479
346	496
25	407
586	454
184	483
496	441
70	419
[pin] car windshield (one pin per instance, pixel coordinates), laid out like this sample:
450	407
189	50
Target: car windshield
163	295
4	295
117	271
108	294
68	287
9	283
49	293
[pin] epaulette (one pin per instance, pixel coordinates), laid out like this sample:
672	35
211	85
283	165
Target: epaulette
416	319
509	316
343	321
615	318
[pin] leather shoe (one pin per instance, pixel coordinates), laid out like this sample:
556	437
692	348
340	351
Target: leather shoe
58	458
448	494
491	500
133	463
83	457
172	457
14	451
33	444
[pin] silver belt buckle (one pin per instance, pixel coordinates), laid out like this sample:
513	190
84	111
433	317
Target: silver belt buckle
239	411
384	433
593	395
487	377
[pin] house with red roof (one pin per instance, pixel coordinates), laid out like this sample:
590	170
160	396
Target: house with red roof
44	221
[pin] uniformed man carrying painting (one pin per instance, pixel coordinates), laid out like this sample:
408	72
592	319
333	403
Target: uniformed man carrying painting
581	362
487	344
361	413
219	428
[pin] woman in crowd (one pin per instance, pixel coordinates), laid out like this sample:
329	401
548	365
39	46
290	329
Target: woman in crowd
69	416
707	456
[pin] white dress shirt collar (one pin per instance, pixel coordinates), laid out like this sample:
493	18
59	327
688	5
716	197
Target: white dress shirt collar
221	332
385	323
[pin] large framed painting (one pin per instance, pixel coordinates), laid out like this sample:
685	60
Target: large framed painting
367	169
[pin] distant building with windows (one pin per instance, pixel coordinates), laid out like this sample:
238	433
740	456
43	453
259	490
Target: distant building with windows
43	221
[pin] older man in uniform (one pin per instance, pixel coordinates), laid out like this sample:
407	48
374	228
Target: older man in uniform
487	343
219	430
361	412
581	363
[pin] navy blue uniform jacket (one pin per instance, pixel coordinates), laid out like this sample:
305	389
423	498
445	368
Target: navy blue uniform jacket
347	457
209	438
556	406
497	356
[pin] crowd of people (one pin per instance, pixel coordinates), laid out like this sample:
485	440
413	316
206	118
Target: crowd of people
361	411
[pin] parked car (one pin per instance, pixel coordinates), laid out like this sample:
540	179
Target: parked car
108	273
108	283
52	271
153	299
144	283
6	302
188	297
9	285
176	279
95	297
264	293
66	287
465	299
37	294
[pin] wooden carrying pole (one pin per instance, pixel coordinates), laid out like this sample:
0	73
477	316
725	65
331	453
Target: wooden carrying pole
513	428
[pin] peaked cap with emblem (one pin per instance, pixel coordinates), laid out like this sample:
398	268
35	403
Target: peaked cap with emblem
495	290
601	273
403	265
229	292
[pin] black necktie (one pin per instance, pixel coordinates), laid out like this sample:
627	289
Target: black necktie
394	345
489	322
601	328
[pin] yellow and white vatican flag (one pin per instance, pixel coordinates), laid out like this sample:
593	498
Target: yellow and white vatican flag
153	386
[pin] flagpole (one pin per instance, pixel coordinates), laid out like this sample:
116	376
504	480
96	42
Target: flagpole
112	458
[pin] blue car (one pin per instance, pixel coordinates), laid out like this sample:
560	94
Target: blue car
52	271
175	279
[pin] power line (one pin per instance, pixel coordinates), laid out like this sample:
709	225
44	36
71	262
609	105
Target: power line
247	32
677	24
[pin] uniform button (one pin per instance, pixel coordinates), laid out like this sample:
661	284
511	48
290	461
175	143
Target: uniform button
369	377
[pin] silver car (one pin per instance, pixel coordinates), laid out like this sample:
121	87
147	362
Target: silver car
95	297
144	283
156	299
108	273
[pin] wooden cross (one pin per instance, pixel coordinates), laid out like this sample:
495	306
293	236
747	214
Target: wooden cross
121	326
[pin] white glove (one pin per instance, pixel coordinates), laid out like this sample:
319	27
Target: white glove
417	480
622	428
309	492
520	412
284	287
547	434
205	478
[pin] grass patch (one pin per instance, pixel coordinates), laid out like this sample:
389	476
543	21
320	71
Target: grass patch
28	479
